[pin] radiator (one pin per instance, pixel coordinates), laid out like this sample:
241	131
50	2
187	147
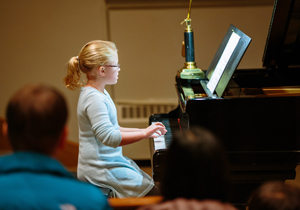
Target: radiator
139	112
135	114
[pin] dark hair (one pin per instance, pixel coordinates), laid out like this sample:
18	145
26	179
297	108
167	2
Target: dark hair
36	116
196	167
275	195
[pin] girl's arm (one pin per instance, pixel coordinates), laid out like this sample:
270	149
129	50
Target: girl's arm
122	129
131	135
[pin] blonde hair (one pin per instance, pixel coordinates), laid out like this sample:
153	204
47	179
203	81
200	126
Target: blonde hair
94	53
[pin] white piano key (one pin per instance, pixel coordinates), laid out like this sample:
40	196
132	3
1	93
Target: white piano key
159	143
159	138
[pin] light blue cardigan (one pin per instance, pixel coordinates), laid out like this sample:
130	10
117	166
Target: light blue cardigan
100	160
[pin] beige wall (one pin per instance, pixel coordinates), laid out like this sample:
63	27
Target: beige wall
149	43
38	38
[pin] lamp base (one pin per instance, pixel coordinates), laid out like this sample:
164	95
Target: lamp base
190	71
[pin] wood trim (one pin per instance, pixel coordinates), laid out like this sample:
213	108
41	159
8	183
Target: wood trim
133	203
159	4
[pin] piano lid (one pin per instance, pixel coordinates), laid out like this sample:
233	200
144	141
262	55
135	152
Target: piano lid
282	47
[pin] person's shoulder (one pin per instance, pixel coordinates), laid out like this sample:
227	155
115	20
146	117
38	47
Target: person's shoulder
4	158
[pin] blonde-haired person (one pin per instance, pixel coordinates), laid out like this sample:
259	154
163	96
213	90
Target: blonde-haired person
101	161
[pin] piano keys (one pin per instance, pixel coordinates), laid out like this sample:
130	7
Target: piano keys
159	145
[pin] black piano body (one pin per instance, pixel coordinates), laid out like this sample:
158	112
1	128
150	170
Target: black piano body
257	119
260	134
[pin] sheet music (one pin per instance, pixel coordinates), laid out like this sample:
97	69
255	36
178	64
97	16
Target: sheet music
230	47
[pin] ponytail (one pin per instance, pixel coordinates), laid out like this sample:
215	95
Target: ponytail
93	54
71	81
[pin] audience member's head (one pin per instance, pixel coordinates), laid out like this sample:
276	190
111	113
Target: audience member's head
196	167
275	196
190	204
36	117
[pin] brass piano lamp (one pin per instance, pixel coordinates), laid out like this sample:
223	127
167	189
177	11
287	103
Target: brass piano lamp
190	69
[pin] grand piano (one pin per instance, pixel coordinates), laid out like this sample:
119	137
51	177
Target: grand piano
258	116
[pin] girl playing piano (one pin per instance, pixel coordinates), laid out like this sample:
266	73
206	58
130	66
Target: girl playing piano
101	161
